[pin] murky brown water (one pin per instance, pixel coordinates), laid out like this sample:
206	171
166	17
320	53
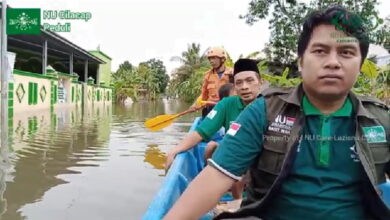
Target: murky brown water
103	165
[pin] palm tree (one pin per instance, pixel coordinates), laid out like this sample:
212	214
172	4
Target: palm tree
191	60
187	79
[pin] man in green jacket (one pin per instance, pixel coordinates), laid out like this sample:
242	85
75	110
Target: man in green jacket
316	151
247	83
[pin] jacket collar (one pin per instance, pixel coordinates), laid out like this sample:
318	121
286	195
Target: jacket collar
361	111
295	97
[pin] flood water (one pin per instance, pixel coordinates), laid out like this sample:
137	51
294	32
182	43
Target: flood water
102	164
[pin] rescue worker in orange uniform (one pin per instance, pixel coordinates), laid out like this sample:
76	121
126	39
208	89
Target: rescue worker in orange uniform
217	76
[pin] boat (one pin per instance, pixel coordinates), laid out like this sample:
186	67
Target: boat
184	169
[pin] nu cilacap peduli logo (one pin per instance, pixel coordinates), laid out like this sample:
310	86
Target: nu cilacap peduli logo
23	21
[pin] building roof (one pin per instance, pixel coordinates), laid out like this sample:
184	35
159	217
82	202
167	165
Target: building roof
98	51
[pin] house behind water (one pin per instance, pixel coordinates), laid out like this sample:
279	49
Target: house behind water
51	73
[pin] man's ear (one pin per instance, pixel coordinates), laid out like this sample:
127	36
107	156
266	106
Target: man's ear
300	60
261	80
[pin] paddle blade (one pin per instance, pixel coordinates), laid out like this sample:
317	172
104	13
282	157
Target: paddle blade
160	122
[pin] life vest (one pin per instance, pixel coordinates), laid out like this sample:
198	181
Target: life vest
212	83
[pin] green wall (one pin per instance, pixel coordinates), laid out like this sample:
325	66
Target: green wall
105	69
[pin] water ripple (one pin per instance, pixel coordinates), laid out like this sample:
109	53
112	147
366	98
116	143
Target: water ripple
107	155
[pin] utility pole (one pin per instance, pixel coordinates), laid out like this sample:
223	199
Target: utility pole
4	78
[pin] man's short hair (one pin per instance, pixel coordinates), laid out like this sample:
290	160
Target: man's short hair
224	90
344	20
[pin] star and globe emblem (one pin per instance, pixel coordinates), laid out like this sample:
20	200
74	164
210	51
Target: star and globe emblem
23	22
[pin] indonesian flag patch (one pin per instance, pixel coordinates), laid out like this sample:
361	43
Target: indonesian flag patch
234	127
290	121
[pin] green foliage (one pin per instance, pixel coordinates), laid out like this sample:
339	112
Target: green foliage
382	36
158	74
122	93
190	89
286	19
156	79
191	60
277	81
373	81
126	84
229	61
186	80
126	66
148	80
369	69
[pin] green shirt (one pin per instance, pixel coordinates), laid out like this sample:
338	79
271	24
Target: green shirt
324	180
233	160
224	113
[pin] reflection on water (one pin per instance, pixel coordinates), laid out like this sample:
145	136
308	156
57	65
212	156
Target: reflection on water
154	156
5	170
102	164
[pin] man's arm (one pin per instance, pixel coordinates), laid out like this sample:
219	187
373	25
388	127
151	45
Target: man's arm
237	151
201	195
210	148
208	127
196	104
187	143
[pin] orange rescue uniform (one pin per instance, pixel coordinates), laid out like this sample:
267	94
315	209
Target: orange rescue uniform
212	83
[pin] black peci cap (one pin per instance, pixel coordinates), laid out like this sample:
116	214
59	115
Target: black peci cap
245	65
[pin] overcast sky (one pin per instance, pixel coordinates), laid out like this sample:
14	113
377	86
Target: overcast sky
138	30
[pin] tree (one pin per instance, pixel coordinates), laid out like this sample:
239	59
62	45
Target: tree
123	71
382	36
126	66
148	80
159	73
191	60
286	19
126	82
186	80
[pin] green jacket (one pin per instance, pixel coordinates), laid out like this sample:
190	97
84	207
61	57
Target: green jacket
279	151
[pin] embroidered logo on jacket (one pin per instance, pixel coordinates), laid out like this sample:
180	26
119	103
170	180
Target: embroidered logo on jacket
375	134
282	124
